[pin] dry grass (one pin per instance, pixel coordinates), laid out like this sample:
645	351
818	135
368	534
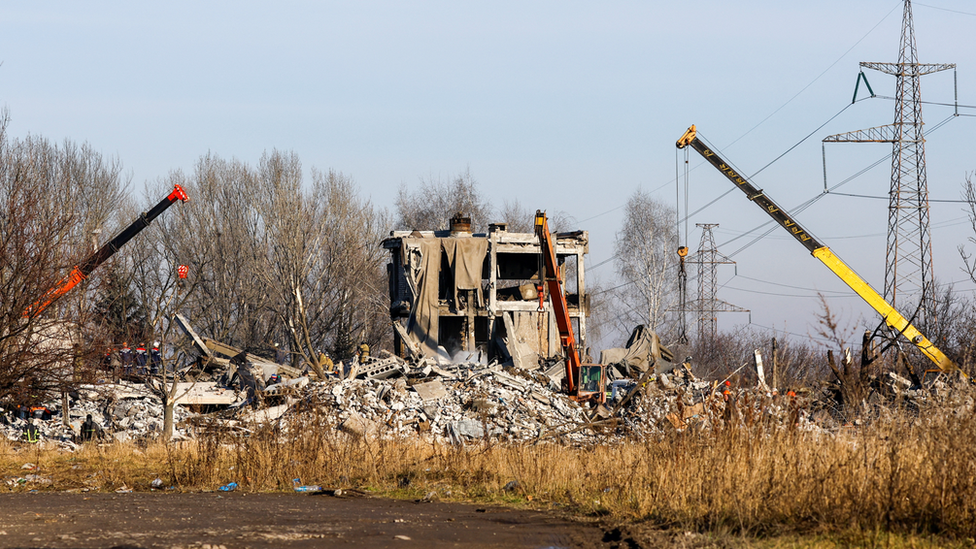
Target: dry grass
901	475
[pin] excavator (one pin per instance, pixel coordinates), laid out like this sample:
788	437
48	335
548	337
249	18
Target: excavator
582	382
81	271
897	323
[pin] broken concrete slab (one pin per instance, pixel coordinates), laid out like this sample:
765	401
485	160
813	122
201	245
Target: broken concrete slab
431	390
204	393
358	426
198	342
380	368
295	384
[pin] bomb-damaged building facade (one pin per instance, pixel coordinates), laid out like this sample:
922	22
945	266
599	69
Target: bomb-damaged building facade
462	296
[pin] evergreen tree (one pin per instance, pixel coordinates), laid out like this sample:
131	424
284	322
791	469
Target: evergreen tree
122	316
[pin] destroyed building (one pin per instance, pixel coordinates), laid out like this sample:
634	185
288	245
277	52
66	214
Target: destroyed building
458	295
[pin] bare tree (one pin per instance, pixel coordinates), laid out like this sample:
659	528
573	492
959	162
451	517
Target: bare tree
969	195
292	231
272	260
647	263
217	234
349	277
324	263
518	218
51	199
521	220
431	206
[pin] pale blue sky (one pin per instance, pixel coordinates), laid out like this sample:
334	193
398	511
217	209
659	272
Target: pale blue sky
563	105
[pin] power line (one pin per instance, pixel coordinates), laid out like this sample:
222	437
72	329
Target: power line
611	210
964	220
937	103
816	198
946	9
784	285
797	144
821	340
805	296
790	100
614	288
761	122
941	201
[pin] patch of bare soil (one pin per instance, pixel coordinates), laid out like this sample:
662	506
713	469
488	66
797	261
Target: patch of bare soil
238	520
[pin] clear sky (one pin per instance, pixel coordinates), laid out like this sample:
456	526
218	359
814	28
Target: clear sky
562	105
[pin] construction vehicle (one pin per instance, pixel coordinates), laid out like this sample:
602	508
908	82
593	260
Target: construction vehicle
81	271
582	382
897	323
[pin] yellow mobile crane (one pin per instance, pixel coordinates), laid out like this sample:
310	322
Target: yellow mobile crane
892	318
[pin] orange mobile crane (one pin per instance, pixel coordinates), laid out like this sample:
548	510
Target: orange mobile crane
583	382
85	268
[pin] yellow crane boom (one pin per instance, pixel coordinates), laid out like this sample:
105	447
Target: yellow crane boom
892	318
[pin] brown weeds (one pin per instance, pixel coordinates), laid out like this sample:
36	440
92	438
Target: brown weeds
898	474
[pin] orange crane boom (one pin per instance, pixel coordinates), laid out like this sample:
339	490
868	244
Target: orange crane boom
554	284
583	382
85	268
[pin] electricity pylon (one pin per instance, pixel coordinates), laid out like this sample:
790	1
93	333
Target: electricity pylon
909	275
707	306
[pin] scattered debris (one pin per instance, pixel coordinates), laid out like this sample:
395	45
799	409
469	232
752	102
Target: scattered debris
463	403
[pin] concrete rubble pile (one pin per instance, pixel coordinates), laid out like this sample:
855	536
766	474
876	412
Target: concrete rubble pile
123	411
462	402
677	401
458	403
949	392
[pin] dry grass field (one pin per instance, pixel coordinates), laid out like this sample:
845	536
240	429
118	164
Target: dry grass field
899	480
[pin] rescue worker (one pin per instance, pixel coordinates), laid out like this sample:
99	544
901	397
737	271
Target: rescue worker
31	433
89	429
40	412
363	352
125	354
142	358
155	359
326	363
281	356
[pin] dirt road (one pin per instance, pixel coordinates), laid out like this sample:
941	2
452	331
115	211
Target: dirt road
238	520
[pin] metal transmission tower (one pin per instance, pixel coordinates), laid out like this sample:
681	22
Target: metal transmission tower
909	275
708	305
